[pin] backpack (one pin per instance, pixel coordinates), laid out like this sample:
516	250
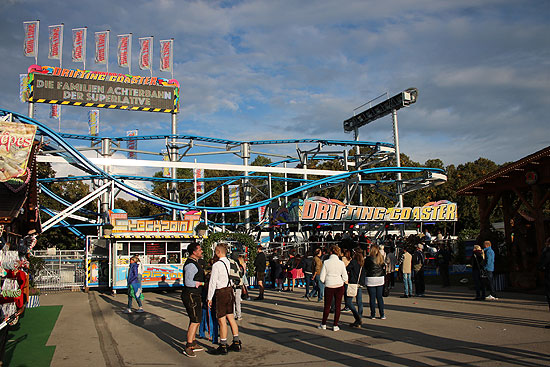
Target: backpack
236	273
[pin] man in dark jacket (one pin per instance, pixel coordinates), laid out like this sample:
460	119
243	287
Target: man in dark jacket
260	265
418	267
307	267
544	265
443	261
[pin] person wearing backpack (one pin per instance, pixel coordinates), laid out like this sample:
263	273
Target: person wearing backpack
236	274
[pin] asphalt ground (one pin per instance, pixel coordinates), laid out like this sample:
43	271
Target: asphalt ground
445	328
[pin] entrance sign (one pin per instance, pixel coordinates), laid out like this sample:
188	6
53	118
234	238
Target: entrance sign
103	90
322	209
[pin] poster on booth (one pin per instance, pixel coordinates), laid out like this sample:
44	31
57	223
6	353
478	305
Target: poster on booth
158	275
15	147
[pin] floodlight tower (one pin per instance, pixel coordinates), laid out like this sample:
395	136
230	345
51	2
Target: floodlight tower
390	105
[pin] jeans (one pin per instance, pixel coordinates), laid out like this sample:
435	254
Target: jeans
130	298
237	305
337	294
357	313
319	287
375	295
407	282
489	284
308	281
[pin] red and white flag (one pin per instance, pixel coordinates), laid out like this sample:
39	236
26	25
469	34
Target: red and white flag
132	144
102	47
55	112
145	53
166	55
79	44
124	50
30	46
56	42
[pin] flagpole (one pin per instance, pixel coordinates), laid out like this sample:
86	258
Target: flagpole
172	57
37	34
151	55
107	49
130	54
84	47
61	46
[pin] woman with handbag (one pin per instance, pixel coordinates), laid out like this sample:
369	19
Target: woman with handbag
333	275
375	272
355	282
478	272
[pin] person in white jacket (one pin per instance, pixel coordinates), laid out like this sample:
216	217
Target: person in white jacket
334	276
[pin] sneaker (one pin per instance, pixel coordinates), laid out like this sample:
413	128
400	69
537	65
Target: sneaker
140	310
335	328
373	318
345	309
356	324
490	298
239	318
322	327
196	347
128	310
382	317
404	296
258	299
221	350
236	346
188	351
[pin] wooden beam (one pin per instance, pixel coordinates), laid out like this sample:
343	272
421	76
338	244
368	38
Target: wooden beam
524	201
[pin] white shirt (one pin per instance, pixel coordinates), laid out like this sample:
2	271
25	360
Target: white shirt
333	272
219	278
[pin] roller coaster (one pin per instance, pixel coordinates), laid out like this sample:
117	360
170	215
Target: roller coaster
366	165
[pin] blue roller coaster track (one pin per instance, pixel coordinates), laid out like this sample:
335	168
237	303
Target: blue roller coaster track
372	176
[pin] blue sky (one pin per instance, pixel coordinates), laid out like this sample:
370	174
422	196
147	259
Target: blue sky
254	70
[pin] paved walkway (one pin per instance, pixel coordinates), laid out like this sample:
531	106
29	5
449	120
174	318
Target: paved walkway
445	328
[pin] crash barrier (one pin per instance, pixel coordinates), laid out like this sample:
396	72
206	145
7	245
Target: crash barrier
63	270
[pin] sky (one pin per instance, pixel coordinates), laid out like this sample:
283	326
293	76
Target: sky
278	69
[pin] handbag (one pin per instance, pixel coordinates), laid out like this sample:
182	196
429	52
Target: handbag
353	288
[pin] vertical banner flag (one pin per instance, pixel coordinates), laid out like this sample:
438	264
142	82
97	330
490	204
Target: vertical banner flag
261	212
145	53
124	50
166	55
24	89
165	158
132	144
56	42
234	195
102	47
55	112
199	173
93	122
79	45
30	46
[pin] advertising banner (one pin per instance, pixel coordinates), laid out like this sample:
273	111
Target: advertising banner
30	45
166	55
103	90
199	173
15	147
124	50
102	47
261	212
145	53
79	44
24	88
165	158
186	226
132	144
234	195
93	122
55	49
55	112
326	210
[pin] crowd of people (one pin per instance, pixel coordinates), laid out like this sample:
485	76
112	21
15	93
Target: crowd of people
213	291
